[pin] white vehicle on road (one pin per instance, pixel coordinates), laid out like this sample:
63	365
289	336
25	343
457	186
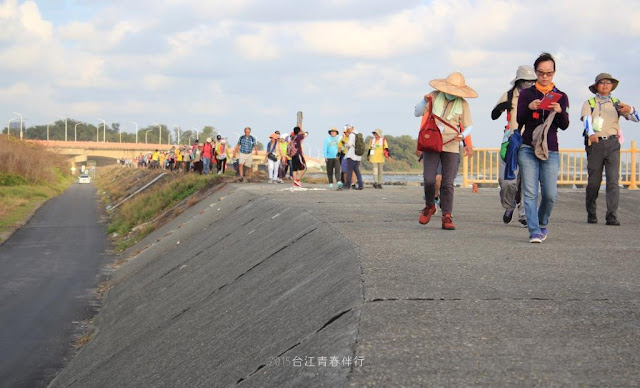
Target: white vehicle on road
84	178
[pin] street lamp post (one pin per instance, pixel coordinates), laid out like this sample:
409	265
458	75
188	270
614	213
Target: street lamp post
197	137
160	131
98	133
145	136
133	122
66	127
75	132
104	133
21	120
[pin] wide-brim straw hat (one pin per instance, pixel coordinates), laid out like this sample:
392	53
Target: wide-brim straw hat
600	77
455	85
377	132
525	73
209	140
334	129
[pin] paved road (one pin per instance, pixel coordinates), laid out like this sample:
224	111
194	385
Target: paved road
47	271
481	306
258	271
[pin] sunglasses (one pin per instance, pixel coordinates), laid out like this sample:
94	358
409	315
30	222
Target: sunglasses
605	82
545	73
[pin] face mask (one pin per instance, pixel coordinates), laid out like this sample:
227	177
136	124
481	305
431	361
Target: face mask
450	97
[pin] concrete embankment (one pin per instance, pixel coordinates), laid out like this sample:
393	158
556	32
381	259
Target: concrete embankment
223	295
276	272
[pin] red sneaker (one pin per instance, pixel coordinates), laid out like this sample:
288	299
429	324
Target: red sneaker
426	214
447	222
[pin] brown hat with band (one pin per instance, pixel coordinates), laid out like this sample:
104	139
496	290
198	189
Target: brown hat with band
455	85
600	77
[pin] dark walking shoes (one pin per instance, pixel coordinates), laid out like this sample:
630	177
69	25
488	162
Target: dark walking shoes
508	215
613	221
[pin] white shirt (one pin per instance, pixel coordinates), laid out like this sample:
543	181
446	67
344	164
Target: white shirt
351	153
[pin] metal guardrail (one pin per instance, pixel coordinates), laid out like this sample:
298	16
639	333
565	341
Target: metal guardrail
483	167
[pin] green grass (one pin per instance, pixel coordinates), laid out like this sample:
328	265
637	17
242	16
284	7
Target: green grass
19	199
149	204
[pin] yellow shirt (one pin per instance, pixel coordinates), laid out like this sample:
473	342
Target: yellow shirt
283	149
178	156
341	144
376	150
155	156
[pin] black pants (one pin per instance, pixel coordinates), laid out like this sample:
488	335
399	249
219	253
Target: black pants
430	163
333	168
222	165
197	167
604	154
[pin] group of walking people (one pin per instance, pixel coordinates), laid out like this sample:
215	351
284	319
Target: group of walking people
285	157
535	110
343	156
208	157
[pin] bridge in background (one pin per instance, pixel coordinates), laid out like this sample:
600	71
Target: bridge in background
81	151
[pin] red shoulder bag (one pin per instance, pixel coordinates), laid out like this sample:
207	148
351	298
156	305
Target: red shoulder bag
429	137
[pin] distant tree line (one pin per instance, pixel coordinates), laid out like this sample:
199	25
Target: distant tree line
92	132
403	154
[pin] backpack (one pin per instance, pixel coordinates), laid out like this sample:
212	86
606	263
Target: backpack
292	150
430	137
359	146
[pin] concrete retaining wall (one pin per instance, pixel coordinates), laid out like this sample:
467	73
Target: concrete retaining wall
221	292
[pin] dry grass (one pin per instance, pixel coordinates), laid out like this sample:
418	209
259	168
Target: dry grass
82	340
32	162
29	175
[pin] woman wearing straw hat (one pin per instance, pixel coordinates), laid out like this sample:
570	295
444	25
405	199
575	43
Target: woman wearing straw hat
450	105
600	115
538	157
510	189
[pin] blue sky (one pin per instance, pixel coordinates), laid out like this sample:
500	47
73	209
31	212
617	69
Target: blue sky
254	62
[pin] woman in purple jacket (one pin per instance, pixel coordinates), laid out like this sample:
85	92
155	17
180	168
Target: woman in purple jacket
536	171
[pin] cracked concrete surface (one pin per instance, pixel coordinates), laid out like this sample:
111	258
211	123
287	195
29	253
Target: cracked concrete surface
264	274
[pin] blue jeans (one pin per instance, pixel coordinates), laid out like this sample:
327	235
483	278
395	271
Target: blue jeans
353	165
206	163
536	172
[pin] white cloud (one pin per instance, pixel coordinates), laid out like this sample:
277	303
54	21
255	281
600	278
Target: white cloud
367	80
233	63
157	82
257	47
32	21
398	34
